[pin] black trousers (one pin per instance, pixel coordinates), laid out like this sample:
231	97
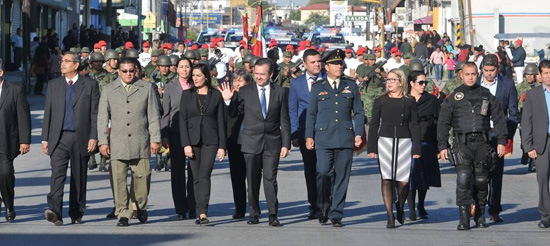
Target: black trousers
495	185
470	171
333	174
256	163
7	181
201	165
67	150
182	190
17	53
543	177
237	169
310	171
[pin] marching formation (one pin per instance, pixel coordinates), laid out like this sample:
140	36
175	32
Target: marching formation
191	105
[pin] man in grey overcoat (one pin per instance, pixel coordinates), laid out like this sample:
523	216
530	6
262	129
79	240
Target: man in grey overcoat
132	107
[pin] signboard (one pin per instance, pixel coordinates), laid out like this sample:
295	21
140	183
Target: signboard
350	18
150	21
338	9
211	18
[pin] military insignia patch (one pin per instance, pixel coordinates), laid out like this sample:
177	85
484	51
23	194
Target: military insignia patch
323	93
459	96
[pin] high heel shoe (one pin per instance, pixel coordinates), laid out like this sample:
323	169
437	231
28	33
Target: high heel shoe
390	224
202	221
400	213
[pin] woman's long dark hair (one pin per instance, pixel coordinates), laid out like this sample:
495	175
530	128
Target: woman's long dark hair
190	65
206	71
412	78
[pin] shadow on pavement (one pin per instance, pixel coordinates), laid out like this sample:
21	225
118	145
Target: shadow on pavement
118	237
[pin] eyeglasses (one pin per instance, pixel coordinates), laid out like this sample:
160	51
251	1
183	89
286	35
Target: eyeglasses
392	80
128	71
65	61
422	82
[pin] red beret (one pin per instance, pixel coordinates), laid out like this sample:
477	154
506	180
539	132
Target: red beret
213	44
397	53
129	45
394	49
360	52
97	46
196	47
102	43
146	45
204	46
289	47
348	50
377	49
519	42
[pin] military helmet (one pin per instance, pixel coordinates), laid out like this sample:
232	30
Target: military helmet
97	56
157	52
416	66
164	60
197	54
132	53
459	66
191	55
111	54
531	69
253	60
203	52
174	59
247	58
85	50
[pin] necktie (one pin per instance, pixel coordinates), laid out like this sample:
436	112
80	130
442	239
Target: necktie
312	80
263	102
334	85
127	87
70	82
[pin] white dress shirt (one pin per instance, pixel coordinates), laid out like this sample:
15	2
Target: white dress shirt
309	81
73	79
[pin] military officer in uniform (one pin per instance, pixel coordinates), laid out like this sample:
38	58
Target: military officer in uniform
111	62
529	75
285	75
161	78
332	133
469	110
372	82
455	82
152	66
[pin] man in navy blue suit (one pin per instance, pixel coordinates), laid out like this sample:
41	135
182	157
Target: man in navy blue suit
505	91
298	102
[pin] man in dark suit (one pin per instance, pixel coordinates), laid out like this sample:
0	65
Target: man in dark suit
505	91
535	137
297	103
265	136
331	131
69	132
15	135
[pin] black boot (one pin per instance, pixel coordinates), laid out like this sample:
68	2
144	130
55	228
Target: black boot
532	167
103	164
479	218
92	164
464	223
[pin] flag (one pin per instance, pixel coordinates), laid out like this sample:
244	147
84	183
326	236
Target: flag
245	29
258	48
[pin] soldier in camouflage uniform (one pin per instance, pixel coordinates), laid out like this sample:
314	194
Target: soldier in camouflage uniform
285	75
372	83
239	64
455	82
163	77
529	81
174	60
111	62
152	66
407	62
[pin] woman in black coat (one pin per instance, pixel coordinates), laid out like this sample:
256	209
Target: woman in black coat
425	170
202	128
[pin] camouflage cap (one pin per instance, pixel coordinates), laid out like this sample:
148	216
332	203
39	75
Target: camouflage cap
369	56
85	50
409	56
203	52
287	54
120	50
459	66
157	52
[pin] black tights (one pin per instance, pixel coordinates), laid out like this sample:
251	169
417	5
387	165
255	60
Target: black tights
421	198
387	195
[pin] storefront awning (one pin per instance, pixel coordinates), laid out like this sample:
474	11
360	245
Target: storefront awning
59	4
428	20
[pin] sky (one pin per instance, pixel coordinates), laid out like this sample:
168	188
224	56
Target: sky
296	2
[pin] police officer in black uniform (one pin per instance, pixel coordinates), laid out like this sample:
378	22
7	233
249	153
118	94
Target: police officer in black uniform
469	110
334	103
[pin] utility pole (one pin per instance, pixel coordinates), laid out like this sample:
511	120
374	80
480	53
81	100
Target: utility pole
139	29
108	20
471	23
26	9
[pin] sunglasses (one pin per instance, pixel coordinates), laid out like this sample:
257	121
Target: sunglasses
128	71
422	82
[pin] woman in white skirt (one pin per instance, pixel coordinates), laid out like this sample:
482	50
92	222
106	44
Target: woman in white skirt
394	136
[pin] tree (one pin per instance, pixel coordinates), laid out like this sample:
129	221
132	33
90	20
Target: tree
317	19
295	15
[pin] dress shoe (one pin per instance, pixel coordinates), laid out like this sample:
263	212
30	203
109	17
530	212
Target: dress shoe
412	215
10	215
111	215
92	166
274	221
313	215
123	222
142	216
390	224
202	221
192	214
76	221
238	215
181	216
323	217
544	224
496	218
336	222
134	214
253	220
532	168
52	217
422	213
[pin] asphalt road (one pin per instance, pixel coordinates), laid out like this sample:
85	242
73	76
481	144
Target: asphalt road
364	222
